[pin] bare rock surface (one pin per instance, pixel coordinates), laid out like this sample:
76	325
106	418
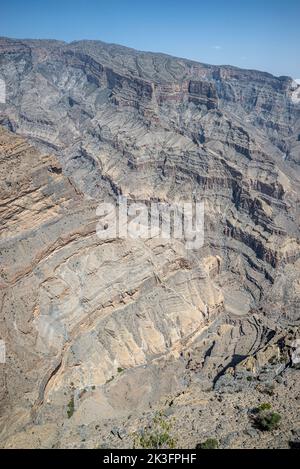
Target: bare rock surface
101	334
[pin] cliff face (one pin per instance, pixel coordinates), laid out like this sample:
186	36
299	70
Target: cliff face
87	320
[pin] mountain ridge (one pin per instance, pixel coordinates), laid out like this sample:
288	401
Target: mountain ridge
98	332
138	51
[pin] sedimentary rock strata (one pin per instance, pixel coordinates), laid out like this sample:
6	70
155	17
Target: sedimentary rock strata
97	329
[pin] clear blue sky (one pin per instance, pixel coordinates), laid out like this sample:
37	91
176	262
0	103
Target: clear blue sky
261	34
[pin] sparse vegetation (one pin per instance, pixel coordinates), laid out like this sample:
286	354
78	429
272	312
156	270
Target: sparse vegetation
266	419
269	421
264	406
120	370
210	443
157	436
71	407
110	380
82	393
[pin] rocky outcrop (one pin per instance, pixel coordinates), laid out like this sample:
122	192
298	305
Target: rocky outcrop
87	320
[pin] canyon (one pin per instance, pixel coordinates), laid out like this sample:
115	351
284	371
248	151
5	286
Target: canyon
101	334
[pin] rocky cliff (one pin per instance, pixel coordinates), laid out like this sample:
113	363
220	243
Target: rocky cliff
96	329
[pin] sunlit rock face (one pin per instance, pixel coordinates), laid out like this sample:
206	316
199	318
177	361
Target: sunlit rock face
116	325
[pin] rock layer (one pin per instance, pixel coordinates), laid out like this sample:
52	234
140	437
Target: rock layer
87	320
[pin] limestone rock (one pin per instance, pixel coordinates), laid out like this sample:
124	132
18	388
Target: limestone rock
97	329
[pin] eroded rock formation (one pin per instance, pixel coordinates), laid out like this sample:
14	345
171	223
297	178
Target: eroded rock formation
96	329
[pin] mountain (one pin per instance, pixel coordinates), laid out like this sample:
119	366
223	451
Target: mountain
102	333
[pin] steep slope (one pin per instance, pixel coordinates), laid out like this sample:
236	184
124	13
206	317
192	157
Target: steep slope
85	320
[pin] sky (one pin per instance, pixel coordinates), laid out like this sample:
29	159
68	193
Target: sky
256	34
